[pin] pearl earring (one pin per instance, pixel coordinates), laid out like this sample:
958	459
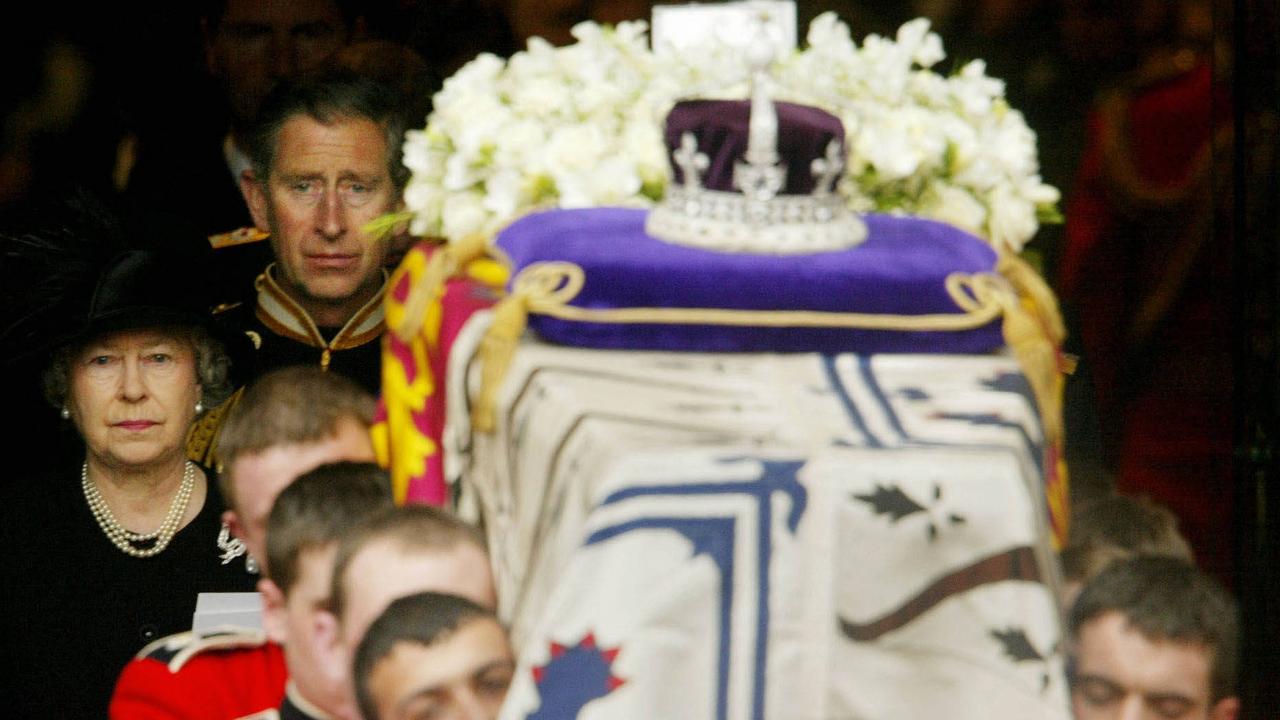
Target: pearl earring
199	407
66	413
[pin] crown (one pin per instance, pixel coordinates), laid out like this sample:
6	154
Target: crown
755	176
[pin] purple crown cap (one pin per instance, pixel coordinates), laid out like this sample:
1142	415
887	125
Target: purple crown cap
755	175
721	130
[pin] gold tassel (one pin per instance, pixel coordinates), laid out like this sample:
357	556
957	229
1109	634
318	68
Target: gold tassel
444	264
538	288
510	316
1034	331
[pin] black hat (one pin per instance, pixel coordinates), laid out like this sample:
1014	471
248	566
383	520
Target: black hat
76	271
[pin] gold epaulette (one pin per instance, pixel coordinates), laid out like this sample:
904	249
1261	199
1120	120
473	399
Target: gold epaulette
241	236
177	650
202	438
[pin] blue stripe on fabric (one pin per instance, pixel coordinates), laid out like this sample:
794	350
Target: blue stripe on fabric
850	409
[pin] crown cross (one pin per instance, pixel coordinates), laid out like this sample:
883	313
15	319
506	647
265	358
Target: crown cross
827	169
690	161
761	176
737	199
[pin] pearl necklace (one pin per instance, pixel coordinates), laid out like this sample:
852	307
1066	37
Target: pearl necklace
126	539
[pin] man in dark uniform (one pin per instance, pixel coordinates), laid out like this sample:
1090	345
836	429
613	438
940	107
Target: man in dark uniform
325	162
273	674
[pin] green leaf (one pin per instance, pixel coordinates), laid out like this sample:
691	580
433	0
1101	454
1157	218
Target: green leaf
1049	214
384	226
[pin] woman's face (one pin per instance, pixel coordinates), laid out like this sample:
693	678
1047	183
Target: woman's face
133	395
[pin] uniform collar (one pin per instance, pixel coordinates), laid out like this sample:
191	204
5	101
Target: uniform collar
296	707
285	317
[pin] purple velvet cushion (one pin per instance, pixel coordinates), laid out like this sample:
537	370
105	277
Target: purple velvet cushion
899	270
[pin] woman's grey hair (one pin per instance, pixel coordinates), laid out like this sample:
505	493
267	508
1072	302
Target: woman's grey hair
213	368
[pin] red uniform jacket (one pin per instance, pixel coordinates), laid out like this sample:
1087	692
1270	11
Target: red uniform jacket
219	675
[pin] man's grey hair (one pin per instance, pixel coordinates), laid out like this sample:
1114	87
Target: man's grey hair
329	97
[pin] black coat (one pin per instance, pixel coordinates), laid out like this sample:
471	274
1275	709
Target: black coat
75	608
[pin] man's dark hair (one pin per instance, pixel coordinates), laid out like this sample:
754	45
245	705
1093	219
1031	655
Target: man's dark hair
1166	599
287	406
317	509
1119	526
423	618
417	529
328	97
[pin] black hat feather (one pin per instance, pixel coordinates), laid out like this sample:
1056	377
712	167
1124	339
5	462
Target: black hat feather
75	269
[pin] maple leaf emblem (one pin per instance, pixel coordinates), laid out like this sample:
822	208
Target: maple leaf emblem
1017	647
891	501
574	677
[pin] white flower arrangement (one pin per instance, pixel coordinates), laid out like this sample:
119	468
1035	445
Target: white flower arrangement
581	126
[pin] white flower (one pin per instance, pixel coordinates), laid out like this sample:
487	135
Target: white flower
615	181
462	214
886	146
922	46
1039	193
503	192
974	91
460	173
1013	219
541	96
581	126
426	199
518	143
956	206
826	33
573	148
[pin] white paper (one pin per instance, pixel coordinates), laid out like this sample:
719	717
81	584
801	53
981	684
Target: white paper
218	610
733	23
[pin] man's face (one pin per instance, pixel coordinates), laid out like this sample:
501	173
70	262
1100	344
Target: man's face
326	183
258	478
292	622
1121	674
259	42
463	676
383	571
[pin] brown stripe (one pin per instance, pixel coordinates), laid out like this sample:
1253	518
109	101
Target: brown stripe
1016	564
353	341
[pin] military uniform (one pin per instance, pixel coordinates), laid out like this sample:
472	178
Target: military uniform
1144	266
215	675
284	334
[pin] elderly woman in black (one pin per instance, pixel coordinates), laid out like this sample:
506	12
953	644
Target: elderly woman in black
109	551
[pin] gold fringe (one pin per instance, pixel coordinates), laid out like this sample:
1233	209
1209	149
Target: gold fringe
444	264
1034	331
547	288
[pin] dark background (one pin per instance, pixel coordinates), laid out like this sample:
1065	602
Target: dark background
83	85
